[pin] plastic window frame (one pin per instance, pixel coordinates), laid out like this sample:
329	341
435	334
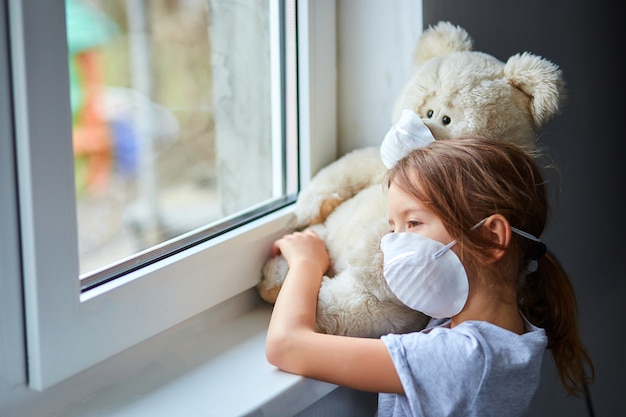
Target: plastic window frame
65	332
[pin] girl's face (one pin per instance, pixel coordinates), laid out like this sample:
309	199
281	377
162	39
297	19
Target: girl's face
407	214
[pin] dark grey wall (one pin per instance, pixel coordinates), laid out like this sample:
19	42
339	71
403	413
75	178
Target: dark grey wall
587	229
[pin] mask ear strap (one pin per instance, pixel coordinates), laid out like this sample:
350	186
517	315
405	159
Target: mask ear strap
443	250
541	248
480	223
525	234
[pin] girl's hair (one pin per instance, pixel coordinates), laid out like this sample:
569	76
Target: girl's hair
467	179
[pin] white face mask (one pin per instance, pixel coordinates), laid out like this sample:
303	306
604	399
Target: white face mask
424	274
409	133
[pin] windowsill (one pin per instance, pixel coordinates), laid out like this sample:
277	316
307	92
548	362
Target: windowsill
198	369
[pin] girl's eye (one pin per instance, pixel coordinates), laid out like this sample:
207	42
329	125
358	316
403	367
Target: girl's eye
413	223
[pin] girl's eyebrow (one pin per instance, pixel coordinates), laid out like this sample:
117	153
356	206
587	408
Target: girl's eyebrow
415	209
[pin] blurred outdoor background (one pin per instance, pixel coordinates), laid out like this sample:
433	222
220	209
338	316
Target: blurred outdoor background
144	134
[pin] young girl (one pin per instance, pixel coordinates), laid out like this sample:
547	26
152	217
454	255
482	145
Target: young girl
465	216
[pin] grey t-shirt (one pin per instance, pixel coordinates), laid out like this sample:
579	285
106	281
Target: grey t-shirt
474	369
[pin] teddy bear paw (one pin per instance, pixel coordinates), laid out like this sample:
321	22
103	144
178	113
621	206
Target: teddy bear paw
274	273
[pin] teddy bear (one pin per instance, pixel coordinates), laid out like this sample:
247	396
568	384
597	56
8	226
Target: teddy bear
454	90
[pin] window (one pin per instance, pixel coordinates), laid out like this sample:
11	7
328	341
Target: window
176	119
71	325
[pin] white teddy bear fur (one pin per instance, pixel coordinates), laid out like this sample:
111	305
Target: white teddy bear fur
456	91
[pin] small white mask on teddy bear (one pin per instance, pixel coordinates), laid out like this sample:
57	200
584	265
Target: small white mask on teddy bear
409	133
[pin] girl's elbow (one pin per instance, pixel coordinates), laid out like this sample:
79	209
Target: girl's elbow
284	350
275	348
271	352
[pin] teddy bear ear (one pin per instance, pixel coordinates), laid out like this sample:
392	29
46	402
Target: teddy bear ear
541	80
439	40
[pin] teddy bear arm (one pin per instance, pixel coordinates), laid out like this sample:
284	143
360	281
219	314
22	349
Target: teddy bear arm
338	182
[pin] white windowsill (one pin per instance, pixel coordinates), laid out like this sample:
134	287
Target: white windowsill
199	370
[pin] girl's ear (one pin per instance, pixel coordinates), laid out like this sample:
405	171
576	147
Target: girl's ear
499	231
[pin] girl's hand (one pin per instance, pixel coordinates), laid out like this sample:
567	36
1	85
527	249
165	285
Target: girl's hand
303	248
292	343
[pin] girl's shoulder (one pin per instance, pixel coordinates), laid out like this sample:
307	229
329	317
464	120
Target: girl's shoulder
480	336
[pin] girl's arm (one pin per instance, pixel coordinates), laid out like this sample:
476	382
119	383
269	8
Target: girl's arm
292	343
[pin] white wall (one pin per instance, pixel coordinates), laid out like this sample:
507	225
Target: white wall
376	43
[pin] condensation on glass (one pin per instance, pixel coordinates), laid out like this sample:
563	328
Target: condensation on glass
178	120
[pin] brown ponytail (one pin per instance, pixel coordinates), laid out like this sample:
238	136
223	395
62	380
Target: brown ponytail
547	298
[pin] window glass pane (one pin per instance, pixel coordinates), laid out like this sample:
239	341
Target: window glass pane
174	122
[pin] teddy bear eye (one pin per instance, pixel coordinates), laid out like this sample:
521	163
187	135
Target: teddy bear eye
429	113
446	120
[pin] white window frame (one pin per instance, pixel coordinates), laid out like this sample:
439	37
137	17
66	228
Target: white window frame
65	332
